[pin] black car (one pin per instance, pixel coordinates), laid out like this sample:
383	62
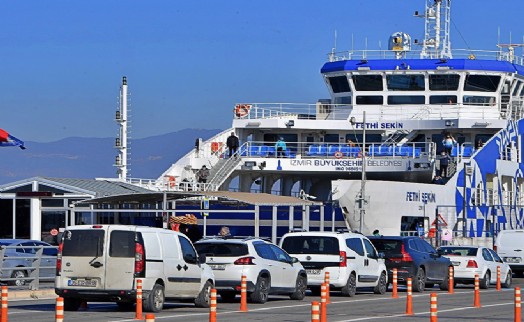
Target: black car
413	257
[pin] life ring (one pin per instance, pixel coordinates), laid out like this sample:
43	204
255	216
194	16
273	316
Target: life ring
214	147
338	154
172	181
242	110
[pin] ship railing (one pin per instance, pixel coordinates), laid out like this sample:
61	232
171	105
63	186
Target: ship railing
305	150
416	54
377	113
169	183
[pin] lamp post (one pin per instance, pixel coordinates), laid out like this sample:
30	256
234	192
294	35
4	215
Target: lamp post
362	196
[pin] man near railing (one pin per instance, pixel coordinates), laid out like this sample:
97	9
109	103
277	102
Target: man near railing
232	144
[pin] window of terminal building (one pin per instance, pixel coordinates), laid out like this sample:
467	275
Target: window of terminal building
405	82
339	84
370	100
479	100
481	83
444	82
443	99
368	82
396	100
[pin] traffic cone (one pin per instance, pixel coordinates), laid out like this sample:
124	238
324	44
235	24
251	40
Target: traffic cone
326	281
394	293
518	316
409	302
4	304
315	312
323	302
243	294
59	314
451	280
213	306
498	279
476	300
433	308
150	317
138	315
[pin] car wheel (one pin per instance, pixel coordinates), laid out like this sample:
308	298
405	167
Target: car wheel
261	292
419	283
350	289
444	285
204	297
228	297
382	285
72	304
20	278
155	300
300	289
507	282
125	306
485	281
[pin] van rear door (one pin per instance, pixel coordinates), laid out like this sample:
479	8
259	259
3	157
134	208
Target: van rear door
120	260
83	264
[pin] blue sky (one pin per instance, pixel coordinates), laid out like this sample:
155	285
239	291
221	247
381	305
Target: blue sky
189	62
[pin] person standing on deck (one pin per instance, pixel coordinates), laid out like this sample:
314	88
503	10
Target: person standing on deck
232	144
280	147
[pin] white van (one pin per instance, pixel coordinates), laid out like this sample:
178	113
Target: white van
103	262
509	244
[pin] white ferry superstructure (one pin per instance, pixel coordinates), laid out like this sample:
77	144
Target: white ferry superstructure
374	146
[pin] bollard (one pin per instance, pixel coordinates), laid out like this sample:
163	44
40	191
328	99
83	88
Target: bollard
476	300
451	281
4	304
150	317
213	306
138	315
433	308
243	294
394	293
518	316
315	314
409	303
326	280
323	302
498	279
59	314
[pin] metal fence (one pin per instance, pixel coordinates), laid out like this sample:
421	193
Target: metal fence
27	266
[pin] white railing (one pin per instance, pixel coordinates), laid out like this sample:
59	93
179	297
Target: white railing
415	54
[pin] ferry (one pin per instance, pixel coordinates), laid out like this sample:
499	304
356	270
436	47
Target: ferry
376	150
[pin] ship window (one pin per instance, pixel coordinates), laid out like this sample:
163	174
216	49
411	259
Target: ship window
481	83
395	100
444	82
516	88
339	84
479	100
344	100
405	82
443	99
368	82
370	100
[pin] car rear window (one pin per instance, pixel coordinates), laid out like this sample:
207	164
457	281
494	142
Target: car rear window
83	243
122	243
387	246
311	245
459	251
222	250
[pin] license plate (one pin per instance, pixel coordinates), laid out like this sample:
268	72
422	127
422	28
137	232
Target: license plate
82	282
218	267
314	271
455	263
512	259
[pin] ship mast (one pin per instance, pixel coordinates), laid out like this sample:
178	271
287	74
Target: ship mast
121	139
437	16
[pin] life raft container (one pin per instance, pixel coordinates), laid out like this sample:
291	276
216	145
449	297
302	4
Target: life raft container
214	147
171	181
242	110
338	155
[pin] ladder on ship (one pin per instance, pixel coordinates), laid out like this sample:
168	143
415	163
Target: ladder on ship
223	169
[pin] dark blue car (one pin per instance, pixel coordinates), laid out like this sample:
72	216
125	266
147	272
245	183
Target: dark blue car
413	257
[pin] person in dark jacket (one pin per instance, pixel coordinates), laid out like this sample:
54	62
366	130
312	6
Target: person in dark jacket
202	174
232	144
444	163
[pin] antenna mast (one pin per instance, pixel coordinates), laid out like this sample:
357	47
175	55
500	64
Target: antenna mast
121	139
437	17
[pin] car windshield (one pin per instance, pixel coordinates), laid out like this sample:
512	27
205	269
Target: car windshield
222	249
311	245
459	251
387	246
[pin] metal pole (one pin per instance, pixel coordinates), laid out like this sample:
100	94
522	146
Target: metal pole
363	179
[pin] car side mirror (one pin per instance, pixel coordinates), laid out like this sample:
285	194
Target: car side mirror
381	255
202	258
440	252
294	260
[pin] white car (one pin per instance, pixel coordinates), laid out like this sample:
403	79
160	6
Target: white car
351	260
268	269
470	260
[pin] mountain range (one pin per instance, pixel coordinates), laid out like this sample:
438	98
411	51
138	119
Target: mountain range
89	158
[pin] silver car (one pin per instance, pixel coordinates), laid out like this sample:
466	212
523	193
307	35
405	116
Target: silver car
19	256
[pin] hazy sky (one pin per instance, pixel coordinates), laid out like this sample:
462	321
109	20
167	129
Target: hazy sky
189	62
